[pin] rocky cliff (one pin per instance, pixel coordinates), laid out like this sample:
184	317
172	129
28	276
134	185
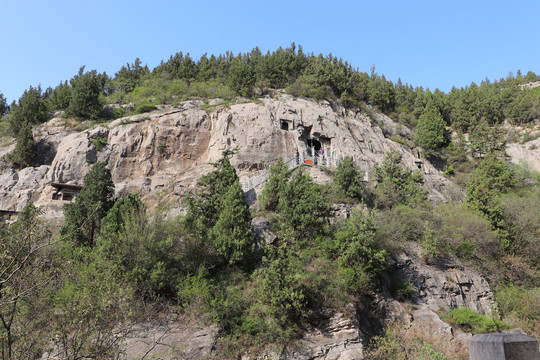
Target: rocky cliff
163	153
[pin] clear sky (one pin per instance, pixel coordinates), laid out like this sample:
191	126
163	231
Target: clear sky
435	44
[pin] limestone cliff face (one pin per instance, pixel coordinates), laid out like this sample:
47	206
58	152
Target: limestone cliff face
168	150
164	153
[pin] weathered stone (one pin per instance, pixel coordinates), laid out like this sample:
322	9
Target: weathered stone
503	347
339	338
173	147
170	340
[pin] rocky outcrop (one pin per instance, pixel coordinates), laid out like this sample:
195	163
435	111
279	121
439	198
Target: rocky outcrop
528	153
166	151
434	288
338	338
170	341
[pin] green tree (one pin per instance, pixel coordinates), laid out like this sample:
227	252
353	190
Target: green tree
280	291
22	259
150	251
31	109
277	180
492	178
83	217
348	179
61	96
431	132
218	214
241	79
231	236
130	76
4	107
206	204
93	308
396	184
304	207
485	139
24	152
86	88
359	260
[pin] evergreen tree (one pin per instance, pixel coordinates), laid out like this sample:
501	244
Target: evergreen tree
83	217
31	109
396	184
24	152
304	207
206	205
358	258
348	179
61	96
241	79
277	180
431	133
4	107
219	216
124	211
485	139
130	76
231	236
492	178
85	102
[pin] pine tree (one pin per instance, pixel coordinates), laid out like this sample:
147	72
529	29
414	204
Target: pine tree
278	178
347	178
231	236
83	217
304	207
86	89
431	133
4	107
218	214
24	152
31	109
396	184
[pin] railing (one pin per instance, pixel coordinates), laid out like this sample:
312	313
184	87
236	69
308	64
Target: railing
299	159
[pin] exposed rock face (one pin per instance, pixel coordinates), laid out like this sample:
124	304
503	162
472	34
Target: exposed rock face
528	152
170	149
436	287
340	338
170	341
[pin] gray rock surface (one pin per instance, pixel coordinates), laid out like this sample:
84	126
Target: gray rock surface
503	347
170	341
166	151
339	338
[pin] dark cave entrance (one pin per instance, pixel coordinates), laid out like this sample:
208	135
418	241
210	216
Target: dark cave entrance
314	144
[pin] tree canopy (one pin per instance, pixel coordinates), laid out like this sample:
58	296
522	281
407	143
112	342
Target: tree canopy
83	217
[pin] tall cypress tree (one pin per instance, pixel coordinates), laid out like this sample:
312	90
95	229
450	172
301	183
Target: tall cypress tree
24	152
231	236
83	217
219	215
431	132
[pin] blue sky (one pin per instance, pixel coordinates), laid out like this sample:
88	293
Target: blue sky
435	44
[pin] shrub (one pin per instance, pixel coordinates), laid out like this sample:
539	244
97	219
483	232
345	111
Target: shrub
99	142
24	152
397	344
348	179
359	260
520	307
473	322
145	108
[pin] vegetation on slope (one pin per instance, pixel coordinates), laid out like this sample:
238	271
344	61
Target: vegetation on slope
113	259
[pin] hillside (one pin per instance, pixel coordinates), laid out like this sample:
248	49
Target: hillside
267	206
169	150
